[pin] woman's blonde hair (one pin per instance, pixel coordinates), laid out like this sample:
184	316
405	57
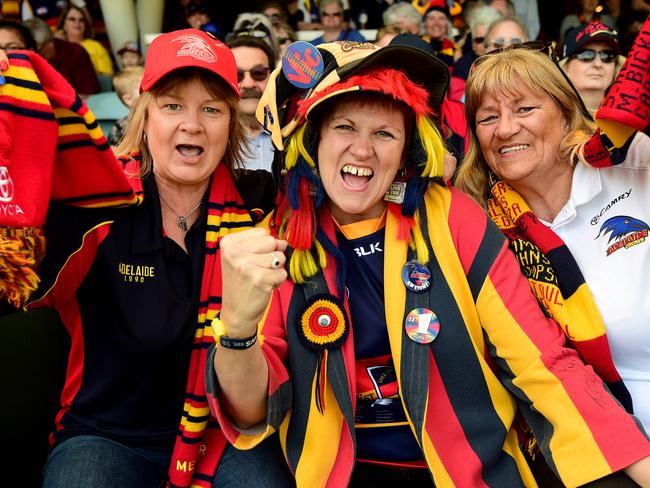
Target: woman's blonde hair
508	73
135	139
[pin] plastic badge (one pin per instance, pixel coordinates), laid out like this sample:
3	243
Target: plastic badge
302	64
416	276
422	325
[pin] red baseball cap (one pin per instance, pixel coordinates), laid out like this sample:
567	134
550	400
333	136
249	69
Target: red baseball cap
188	48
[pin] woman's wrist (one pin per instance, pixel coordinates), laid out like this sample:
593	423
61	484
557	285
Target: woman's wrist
236	328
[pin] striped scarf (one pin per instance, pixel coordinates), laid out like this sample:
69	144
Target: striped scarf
51	148
199	441
555	279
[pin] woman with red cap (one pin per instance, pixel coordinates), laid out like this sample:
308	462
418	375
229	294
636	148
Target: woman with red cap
135	287
383	327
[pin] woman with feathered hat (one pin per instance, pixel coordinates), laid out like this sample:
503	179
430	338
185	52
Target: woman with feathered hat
383	326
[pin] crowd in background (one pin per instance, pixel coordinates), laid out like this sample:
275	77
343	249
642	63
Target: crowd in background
72	37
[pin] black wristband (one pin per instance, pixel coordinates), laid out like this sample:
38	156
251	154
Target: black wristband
230	343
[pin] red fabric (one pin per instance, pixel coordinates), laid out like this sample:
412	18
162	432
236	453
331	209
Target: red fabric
78	167
628	100
387	81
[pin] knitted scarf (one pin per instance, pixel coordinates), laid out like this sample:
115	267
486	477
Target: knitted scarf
200	442
556	281
51	148
624	109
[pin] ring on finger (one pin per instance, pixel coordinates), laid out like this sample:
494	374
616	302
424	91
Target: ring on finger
275	263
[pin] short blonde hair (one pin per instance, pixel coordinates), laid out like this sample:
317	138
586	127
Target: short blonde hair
509	72
134	138
128	80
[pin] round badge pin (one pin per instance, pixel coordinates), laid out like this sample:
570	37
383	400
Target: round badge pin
416	276
302	64
422	325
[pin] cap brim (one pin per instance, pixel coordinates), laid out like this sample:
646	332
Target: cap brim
419	66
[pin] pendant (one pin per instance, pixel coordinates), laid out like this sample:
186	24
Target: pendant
182	223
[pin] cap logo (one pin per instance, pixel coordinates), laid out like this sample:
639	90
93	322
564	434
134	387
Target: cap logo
196	48
594	28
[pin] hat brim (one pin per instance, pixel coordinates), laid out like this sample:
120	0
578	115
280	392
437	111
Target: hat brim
419	66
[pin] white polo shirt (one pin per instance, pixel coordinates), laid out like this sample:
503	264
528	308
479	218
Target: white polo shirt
606	225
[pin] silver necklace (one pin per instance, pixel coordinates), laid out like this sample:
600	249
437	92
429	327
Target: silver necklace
181	220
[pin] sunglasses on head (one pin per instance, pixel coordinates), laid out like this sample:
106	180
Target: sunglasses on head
543	47
588	55
258	73
500	42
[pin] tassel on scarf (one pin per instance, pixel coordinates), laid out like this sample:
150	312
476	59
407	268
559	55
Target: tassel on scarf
21	251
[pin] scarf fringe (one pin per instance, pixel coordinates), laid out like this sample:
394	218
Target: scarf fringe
21	251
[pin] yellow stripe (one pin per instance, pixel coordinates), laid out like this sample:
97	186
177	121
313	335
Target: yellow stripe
27	94
395	296
440	474
23	73
573	444
319	455
74	129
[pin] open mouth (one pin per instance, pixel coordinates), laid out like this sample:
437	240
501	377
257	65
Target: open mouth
511	149
356	175
189	150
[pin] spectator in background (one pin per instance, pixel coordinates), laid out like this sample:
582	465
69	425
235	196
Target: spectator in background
254	59
127	87
590	58
15	36
367	14
309	13
387	33
437	25
130	55
508	31
506	7
404	15
479	20
275	12
259	26
285	35
528	12
586	11
198	17
69	59
331	15
76	26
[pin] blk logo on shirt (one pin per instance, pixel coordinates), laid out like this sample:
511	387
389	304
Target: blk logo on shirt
361	250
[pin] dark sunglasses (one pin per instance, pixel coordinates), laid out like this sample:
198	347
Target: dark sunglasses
544	47
335	14
258	73
588	55
478	40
